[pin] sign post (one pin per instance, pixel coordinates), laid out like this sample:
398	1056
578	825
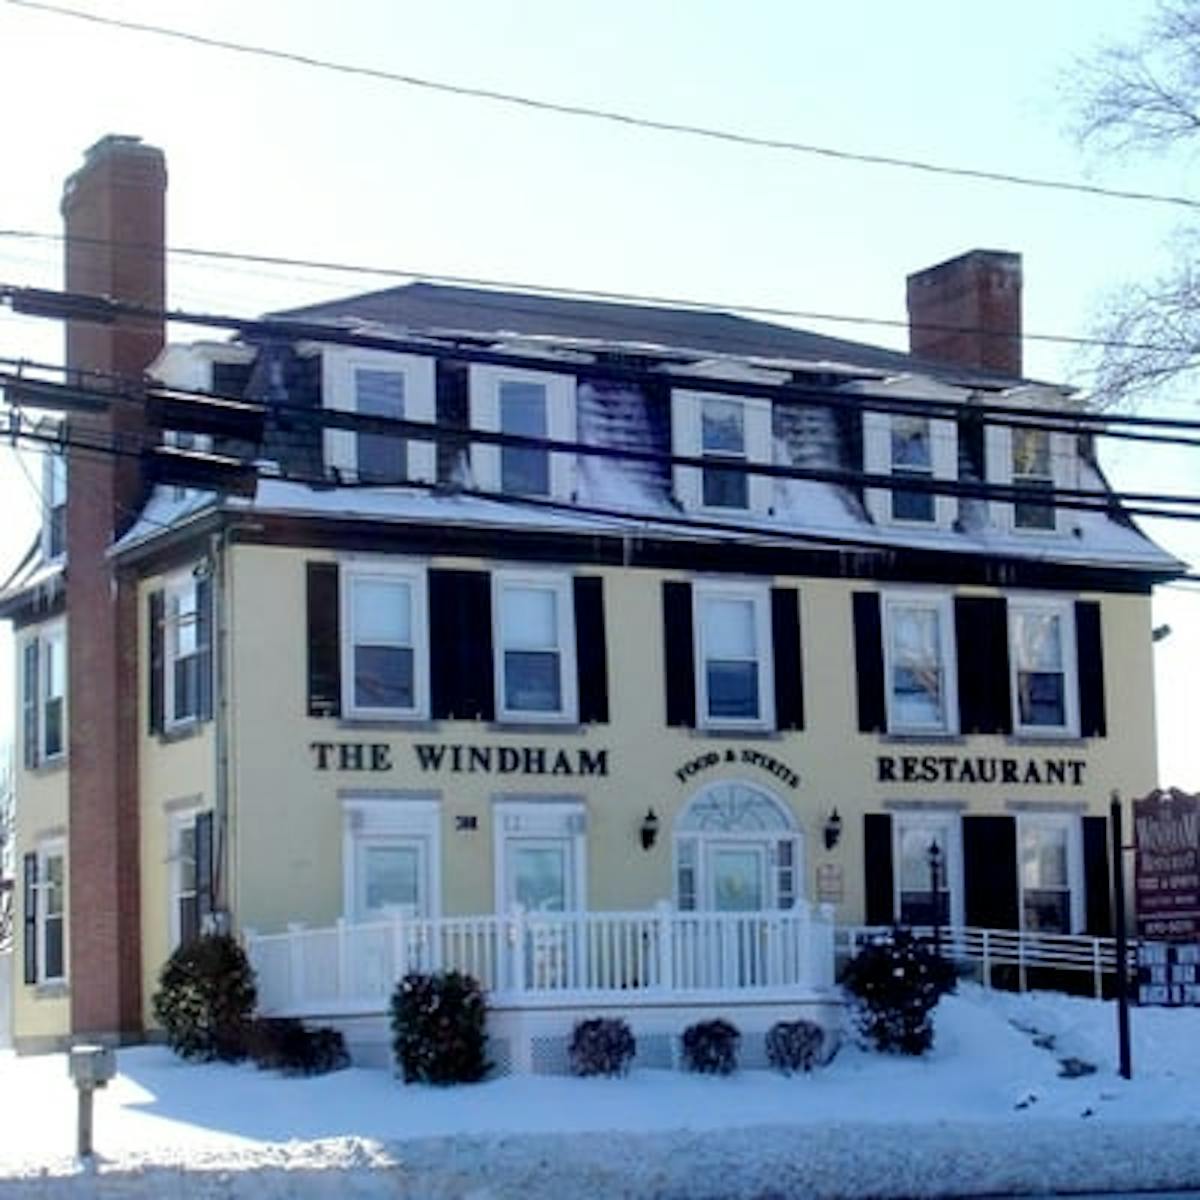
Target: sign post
1124	1049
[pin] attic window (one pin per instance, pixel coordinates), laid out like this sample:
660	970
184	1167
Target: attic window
906	445
54	488
730	433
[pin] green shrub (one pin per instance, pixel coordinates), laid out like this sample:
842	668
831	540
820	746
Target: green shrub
205	996
287	1045
710	1047
795	1046
897	980
601	1046
439	1028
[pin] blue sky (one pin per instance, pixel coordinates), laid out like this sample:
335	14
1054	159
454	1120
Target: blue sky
268	157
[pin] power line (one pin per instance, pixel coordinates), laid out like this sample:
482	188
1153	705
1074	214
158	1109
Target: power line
551	291
611	116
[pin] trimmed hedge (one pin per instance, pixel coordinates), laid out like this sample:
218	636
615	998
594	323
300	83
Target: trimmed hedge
710	1047
795	1046
438	1028
286	1044
601	1046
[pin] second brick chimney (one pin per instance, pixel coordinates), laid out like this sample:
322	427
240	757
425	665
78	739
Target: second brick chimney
967	311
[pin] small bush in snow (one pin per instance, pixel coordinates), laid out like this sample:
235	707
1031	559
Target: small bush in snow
601	1046
285	1044
795	1046
897	981
710	1047
205	997
438	1028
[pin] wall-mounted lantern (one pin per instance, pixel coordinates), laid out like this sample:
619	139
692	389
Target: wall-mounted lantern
649	829
833	829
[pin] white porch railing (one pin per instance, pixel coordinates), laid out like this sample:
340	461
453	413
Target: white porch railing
525	958
1011	948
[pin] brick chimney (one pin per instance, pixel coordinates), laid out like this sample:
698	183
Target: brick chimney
113	210
967	311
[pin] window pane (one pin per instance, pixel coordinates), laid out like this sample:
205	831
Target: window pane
380	457
1041	681
726	489
1034	516
722	429
54	968
524	471
1047	911
729	630
737	880
382	611
1041	699
540	877
914	857
383	677
52	728
530	618
1031	452
189	919
186	687
1038	641
916	665
182	612
911	447
732	689
392	877
532	681
187	858
912	506
1043	856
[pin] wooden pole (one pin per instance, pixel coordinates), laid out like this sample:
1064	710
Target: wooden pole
1118	845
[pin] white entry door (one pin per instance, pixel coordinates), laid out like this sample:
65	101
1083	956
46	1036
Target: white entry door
540	874
738	876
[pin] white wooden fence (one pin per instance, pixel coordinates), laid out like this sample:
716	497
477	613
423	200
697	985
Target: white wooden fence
525	958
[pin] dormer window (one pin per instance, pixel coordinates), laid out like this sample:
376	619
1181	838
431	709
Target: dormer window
910	446
729	433
531	404
377	383
1038	461
1032	469
54	489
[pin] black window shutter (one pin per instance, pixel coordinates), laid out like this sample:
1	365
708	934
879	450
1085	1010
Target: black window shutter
984	695
1090	664
868	657
679	660
204	648
324	641
789	675
878	870
460	645
1096	876
157	636
31	948
990	870
591	649
203	843
30	699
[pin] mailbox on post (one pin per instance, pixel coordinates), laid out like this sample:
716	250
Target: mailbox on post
90	1067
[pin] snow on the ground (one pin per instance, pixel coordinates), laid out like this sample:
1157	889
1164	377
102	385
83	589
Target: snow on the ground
986	1112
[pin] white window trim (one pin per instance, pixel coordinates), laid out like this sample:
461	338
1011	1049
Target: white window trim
1065	610
549	819
176	585
388	572
686	409
484	386
760	597
338	365
51	633
562	587
1064	464
877	460
946	825
54	476
379	819
944	603
1074	830
47	849
178	819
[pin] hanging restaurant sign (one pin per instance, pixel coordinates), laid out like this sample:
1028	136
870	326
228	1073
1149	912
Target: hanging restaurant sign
1166	834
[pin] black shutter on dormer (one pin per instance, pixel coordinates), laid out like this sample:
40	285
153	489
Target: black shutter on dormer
789	674
679	663
984	694
461	671
30	924
990	872
205	877
591	649
878	872
156	634
324	641
1089	649
868	657
30	697
204	648
1097	878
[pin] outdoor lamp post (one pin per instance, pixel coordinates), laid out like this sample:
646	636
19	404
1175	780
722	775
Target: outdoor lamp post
935	889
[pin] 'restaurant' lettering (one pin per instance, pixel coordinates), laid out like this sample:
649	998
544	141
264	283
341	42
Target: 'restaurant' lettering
949	768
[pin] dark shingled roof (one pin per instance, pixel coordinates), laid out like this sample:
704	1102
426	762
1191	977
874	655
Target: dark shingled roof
475	311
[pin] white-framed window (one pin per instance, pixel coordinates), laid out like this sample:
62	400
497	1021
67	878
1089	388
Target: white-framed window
187	648
1042	667
909	445
54	494
913	836
534	404
184	914
540	854
734	668
921	684
51	901
378	383
201	443
534	640
1039	460
729	432
44	695
391	856
385	647
1050	872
